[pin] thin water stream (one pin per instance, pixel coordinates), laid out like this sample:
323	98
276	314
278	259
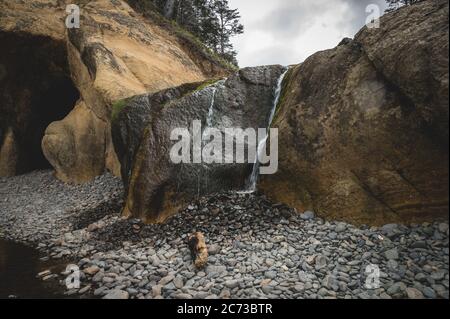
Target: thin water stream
253	181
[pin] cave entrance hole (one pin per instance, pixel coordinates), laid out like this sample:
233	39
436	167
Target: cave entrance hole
35	91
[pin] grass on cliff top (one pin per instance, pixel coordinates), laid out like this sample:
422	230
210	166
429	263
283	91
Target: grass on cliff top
206	84
199	87
148	10
202	86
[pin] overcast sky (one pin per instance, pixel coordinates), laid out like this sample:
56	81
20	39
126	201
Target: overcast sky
288	31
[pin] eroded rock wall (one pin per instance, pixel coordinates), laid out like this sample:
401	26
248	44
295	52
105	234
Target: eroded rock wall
114	54
364	126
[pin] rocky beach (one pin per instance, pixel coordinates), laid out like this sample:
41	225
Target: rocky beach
257	249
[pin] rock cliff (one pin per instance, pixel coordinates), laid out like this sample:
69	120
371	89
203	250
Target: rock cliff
364	126
156	188
64	81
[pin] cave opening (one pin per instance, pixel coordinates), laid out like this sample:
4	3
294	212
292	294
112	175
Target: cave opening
36	90
52	105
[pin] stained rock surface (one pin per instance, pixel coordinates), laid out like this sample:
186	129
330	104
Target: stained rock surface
363	127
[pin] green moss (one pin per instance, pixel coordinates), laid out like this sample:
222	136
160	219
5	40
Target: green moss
202	86
284	93
117	108
206	84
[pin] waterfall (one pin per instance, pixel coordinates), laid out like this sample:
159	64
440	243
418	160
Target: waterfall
253	181
209	119
209	123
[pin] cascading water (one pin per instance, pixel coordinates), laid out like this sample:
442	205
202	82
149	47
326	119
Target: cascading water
253	181
214	88
209	124
209	119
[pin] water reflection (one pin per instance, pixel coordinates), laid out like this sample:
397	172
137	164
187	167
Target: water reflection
19	266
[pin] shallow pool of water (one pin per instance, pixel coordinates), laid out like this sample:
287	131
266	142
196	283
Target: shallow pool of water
19	266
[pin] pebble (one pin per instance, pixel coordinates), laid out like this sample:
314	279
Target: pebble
396	288
99	291
213	249
414	293
117	294
429	293
341	227
443	228
419	245
231	284
210	270
390	230
438	275
391	254
320	262
308	215
164	281
84	290
270	274
178	282
156	290
299	287
270	262
91	270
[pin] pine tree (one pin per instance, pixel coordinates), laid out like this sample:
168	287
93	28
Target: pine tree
228	26
208	25
211	21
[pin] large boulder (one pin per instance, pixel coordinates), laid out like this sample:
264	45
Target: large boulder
131	117
364	127
68	80
156	188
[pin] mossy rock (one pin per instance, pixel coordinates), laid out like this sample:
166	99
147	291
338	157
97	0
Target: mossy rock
117	107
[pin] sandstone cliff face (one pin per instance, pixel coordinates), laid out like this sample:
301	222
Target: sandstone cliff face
157	188
70	78
364	126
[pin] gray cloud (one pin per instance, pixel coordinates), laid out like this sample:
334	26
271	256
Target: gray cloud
358	12
278	55
290	18
288	31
